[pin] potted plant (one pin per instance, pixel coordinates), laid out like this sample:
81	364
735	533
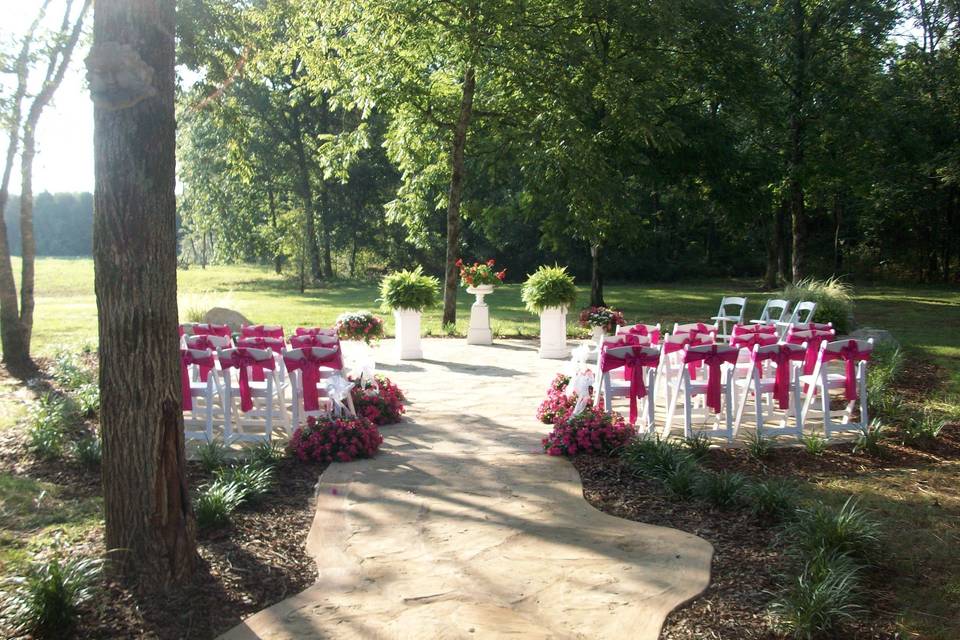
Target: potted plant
550	291
601	320
480	278
407	294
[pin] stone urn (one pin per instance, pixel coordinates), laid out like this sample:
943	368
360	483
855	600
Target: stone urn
408	334
553	333
479	331
598	333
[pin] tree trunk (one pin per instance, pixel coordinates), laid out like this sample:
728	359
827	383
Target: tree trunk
325	222
455	196
837	224
28	244
278	256
596	278
150	528
780	240
794	184
770	274
306	193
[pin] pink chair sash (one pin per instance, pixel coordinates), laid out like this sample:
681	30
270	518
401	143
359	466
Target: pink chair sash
203	342
309	367
187	358
240	359
850	354
782	357
750	340
633	364
212	330
260	331
746	329
713	358
315	331
699	329
814	340
275	345
642	330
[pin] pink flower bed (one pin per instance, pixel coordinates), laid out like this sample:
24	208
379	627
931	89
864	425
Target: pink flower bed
590	431
330	439
558	405
381	403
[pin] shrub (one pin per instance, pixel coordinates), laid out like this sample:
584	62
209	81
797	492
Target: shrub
771	500
680	480
834	300
212	455
47	430
359	325
410	290
88	452
653	456
45	602
814	443
820	599
698	445
722	490
824	529
215	502
266	454
870	439
380	403
251	480
329	439
549	287
590	431
757	446
480	273
886	365
605	317
921	429
76	376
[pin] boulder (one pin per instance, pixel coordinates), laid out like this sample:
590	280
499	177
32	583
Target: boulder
229	317
880	336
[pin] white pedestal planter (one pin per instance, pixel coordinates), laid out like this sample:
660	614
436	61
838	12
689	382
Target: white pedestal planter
598	334
553	333
479	332
408	334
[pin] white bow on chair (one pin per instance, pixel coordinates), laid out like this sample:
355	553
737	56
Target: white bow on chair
338	390
363	368
580	385
578	360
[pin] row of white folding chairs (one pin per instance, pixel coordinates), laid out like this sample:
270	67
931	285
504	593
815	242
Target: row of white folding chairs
675	374
776	312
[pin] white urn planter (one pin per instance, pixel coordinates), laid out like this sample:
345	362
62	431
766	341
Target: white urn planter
553	333
479	331
408	334
598	334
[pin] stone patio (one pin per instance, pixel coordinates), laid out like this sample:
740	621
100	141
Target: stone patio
463	528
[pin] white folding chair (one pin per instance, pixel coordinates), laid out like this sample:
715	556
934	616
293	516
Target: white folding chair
253	422
312	371
719	361
854	355
802	314
198	421
785	363
613	358
732	309
774	311
650	330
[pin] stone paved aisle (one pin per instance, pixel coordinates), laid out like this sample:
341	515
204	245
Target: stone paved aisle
463	528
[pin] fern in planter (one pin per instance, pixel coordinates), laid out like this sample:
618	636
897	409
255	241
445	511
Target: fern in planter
549	287
409	290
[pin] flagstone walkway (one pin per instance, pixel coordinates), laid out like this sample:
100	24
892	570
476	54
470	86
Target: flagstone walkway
462	528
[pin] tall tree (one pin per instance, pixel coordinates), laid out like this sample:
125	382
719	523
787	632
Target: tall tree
149	520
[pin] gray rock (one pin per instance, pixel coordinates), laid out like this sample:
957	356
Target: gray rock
233	319
880	336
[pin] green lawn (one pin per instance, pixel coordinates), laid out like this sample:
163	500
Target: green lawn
922	318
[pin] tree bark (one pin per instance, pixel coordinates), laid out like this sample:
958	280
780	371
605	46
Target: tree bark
797	125
455	195
325	222
837	224
150	527
780	240
596	278
773	258
309	202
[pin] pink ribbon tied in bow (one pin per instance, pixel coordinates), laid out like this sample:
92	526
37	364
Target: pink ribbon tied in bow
643	330
204	343
261	331
746	329
190	357
315	331
211	330
274	345
851	354
633	361
241	359
713	356
750	340
781	357
309	368
813	339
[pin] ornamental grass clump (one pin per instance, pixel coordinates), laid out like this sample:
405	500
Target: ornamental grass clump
771	500
380	402
590	431
335	439
822	529
651	456
834	300
549	287
723	489
50	418
409	290
212	455
87	450
252	481
216	502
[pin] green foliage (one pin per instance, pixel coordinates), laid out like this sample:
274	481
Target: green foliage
653	457
45	602
772	500
824	596
886	365
758	446
822	529
78	379
681	478
814	443
698	445
549	287
252	481
50	417
834	300
870	439
410	290
723	489
212	455
921	429
266	454
215	503
88	452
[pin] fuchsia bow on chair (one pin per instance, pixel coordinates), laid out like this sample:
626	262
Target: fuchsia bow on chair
315	331
211	330
814	340
205	343
751	339
782	357
746	329
633	363
642	330
309	367
698	329
188	358
850	353
261	342
261	331
713	358
309	341
240	359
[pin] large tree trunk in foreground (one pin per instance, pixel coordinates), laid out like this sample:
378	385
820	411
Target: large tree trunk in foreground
149	522
455	197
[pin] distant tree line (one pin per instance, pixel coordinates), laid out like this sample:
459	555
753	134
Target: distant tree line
63	224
